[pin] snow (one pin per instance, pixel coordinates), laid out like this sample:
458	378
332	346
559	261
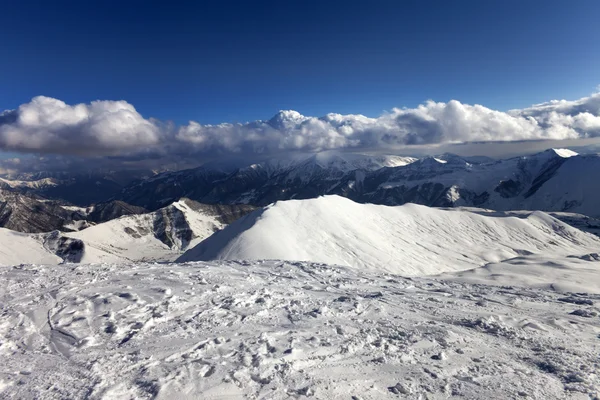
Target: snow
410	240
512	311
17	248
565	153
126	239
131	238
81	210
35	184
563	274
280	330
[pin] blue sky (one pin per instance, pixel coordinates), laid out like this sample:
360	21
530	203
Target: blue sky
239	61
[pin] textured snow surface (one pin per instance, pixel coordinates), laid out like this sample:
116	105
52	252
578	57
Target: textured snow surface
279	330
409	240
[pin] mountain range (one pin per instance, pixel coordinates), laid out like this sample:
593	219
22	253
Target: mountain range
556	181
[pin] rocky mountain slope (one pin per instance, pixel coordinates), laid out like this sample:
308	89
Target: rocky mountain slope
75	187
24	213
109	210
157	236
30	213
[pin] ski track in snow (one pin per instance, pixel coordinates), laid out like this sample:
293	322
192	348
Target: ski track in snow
278	330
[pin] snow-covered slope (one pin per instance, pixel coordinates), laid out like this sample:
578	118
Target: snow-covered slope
278	330
158	236
18	248
408	240
33	184
564	274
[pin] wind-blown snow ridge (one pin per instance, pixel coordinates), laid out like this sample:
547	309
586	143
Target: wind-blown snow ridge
407	240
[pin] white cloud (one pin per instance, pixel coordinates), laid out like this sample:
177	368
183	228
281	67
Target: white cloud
49	126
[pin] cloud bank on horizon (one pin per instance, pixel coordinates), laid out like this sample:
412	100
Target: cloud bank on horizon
49	127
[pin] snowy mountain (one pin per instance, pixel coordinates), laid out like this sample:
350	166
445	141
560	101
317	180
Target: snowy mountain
25	184
409	240
554	180
77	187
25	213
297	176
509	293
158	236
110	210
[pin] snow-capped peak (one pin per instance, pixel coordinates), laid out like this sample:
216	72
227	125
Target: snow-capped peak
565	153
286	119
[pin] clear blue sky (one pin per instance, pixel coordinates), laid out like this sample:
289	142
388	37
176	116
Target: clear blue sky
238	61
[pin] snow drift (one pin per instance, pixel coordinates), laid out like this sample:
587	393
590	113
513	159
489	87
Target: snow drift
408	240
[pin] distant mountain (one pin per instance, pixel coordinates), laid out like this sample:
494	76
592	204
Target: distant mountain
161	235
79	188
29	213
554	180
23	213
25	185
109	210
167	187
407	240
300	176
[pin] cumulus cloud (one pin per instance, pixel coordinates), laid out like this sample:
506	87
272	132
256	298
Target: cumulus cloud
48	125
114	130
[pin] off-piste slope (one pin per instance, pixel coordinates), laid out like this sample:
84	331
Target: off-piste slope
409	240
